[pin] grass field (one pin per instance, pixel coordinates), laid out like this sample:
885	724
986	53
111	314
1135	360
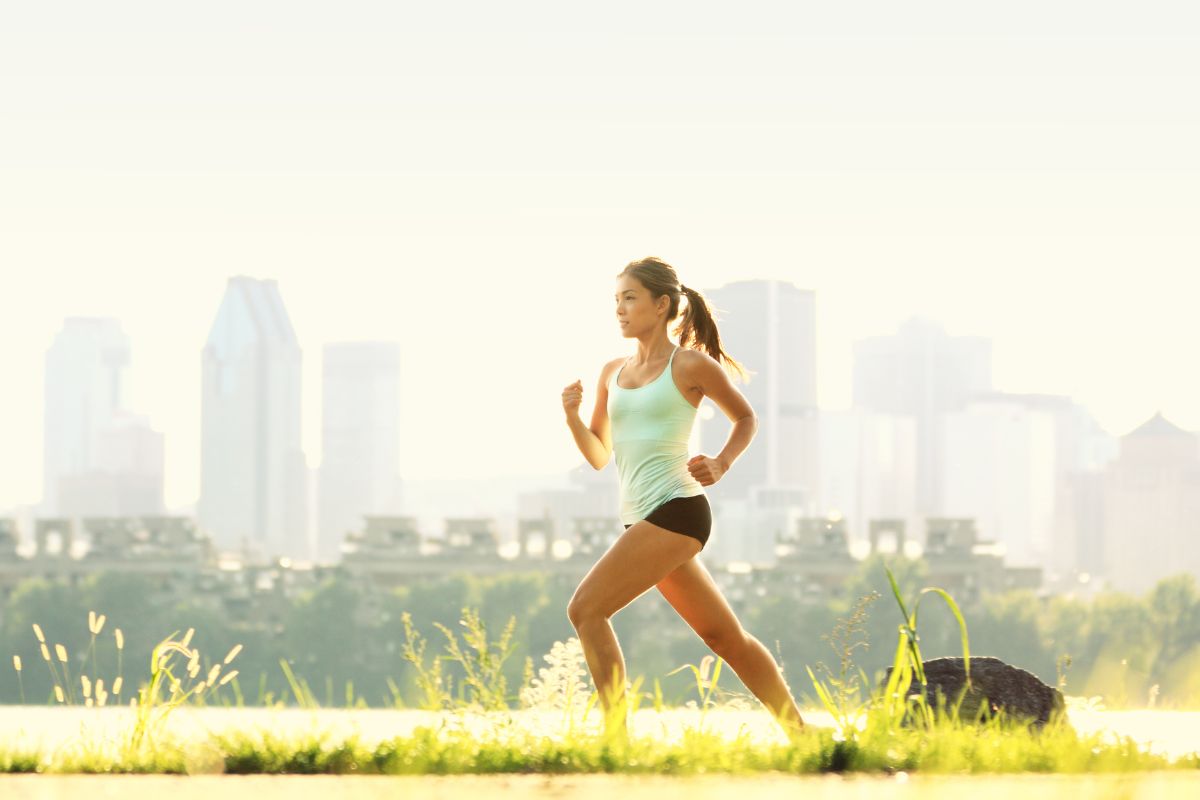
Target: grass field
679	741
179	723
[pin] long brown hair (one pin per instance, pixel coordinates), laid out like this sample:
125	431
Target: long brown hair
698	329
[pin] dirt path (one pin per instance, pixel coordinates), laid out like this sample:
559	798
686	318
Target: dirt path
1136	786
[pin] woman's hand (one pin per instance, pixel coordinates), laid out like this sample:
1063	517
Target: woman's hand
705	470
572	396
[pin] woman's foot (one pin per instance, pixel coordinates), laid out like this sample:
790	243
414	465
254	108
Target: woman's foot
616	729
794	728
617	735
616	720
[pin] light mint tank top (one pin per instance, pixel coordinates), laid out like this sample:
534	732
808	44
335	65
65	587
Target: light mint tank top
651	426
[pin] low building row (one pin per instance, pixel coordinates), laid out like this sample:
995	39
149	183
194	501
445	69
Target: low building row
814	557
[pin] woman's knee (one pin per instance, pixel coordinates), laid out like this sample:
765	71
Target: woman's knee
727	643
581	610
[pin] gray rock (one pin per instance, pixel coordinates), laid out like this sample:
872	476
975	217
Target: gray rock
995	685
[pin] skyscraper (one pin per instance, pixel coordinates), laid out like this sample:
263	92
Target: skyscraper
1152	506
99	458
360	439
252	471
923	372
1001	471
1071	543
868	467
770	327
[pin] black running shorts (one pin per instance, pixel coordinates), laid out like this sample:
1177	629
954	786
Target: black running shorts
690	516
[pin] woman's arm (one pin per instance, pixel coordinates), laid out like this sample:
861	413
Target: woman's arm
712	379
739	439
595	442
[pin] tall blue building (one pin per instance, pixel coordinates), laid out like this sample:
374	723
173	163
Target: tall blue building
253	474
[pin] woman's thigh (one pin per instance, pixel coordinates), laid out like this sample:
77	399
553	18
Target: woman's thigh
640	557
695	596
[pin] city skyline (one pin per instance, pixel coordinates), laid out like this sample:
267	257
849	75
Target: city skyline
1020	467
311	405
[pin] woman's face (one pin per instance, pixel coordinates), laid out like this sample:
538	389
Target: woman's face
636	314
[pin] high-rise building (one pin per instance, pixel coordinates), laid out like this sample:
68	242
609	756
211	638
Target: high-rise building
868	469
1070	546
252	471
1152	506
922	372
1001	471
770	327
99	458
360	440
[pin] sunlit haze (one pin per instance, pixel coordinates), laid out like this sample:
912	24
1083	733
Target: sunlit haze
468	184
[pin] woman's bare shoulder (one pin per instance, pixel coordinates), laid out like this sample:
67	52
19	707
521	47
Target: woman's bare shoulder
695	360
610	367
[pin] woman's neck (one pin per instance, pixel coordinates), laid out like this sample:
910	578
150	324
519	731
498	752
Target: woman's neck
652	351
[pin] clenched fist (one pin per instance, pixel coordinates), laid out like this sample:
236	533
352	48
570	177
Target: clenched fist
572	396
705	470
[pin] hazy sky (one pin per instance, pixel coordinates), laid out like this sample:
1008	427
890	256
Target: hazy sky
468	178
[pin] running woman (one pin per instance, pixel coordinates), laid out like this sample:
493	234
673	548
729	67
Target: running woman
645	407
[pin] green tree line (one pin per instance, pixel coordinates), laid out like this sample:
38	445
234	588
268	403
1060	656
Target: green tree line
346	641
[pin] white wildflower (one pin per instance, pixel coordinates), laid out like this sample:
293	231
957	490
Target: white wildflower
561	685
